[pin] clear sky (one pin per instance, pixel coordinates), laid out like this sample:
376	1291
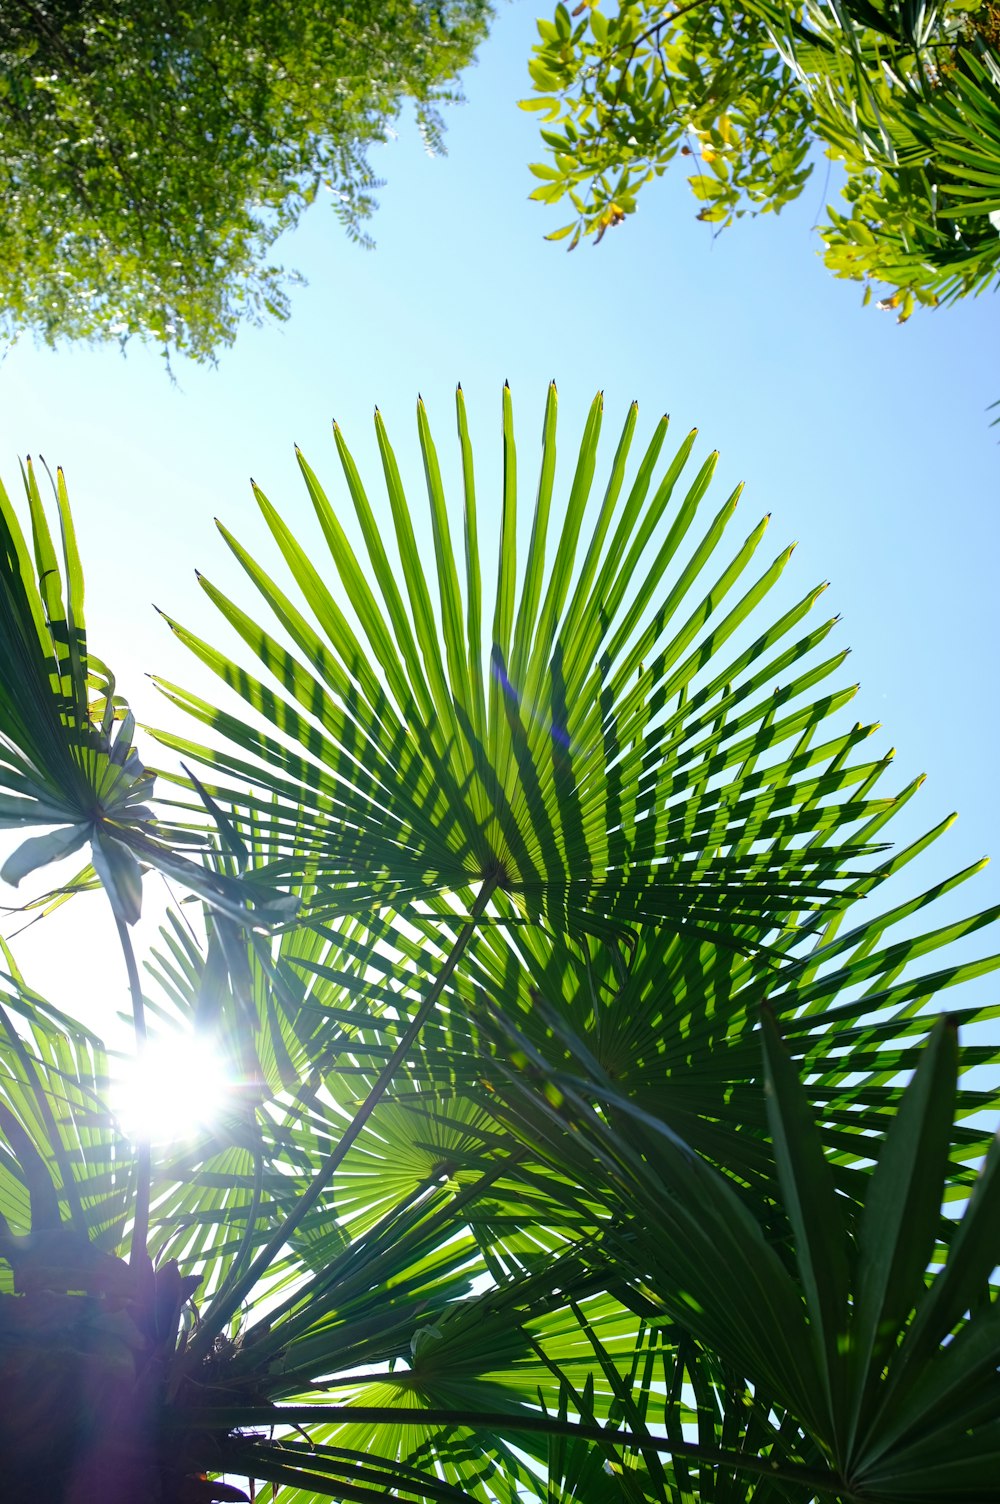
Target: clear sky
868	442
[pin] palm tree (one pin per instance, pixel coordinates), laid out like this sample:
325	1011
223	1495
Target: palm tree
572	1156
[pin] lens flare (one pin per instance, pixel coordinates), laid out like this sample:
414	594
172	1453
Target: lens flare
174	1089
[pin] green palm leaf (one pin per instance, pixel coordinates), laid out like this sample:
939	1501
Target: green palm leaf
606	763
671	1026
882	1387
66	756
66	737
67	1170
363	1284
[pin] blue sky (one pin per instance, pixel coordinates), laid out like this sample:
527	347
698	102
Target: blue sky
869	443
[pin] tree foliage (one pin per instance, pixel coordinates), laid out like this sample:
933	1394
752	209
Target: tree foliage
151	154
591	1135
905	97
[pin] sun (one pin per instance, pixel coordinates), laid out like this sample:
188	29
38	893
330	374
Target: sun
173	1089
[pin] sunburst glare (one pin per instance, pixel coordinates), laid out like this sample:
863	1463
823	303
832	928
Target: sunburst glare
176	1087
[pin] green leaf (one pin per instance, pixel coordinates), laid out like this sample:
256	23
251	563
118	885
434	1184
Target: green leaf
120	873
902	1215
599	25
39	851
816	1216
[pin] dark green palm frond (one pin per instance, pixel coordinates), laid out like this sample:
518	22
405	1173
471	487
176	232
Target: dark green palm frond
673	1029
879	1343
603	753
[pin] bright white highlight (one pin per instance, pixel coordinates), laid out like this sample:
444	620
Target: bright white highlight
174	1089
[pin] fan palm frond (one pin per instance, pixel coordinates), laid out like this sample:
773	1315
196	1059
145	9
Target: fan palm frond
603	753
67	753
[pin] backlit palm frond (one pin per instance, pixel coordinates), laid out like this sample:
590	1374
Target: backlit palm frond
613	748
380	1279
672	1027
586	1134
67	1171
67	757
460	1396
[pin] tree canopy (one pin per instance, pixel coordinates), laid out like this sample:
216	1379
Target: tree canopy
905	97
151	154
